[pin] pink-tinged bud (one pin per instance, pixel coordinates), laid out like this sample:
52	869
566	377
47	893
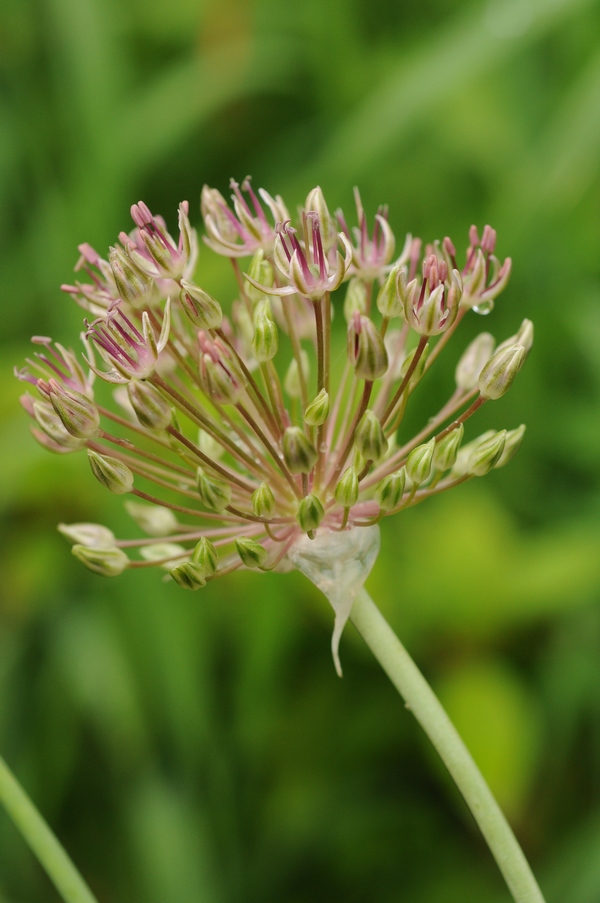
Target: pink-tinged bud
435	308
111	472
497	376
219	379
202	310
167	259
79	415
109	562
366	349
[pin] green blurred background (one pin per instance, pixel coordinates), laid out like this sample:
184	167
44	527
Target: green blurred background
199	748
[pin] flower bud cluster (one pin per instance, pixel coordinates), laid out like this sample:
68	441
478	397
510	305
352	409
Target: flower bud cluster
236	430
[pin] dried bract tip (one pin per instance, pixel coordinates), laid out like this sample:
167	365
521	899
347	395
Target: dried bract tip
111	472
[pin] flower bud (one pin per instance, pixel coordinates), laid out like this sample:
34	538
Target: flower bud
265	342
206	557
209	446
317	411
253	555
346	491
263	501
188	575
109	562
389	492
446	451
419	369
498	374
487	454
214	494
369	437
260	271
152	519
389	302
523	337
310	513
291	383
133	284
163	553
53	427
90	535
299	453
220	383
473	360
202	310
514	438
111	472
356	298
419	461
78	414
152	410
316	201
366	349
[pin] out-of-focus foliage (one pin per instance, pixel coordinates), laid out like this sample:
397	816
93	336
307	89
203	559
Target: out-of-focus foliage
199	747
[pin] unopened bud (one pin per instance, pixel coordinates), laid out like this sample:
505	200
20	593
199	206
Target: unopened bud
346	491
108	562
221	384
253	555
53	427
78	414
523	337
291	383
514	438
310	513
214	494
263	501
419	462
389	302
356	298
446	451
206	557
260	271
133	284
419	369
164	553
389	492
90	535
188	575
265	342
111	472
316	201
152	410
209	446
369	437
473	360
366	349
317	411
487	454
497	376
152	519
299	453
200	307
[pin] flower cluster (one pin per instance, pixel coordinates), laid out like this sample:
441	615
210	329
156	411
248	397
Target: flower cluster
231	435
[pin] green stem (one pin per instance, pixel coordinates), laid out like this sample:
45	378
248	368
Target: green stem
422	702
42	841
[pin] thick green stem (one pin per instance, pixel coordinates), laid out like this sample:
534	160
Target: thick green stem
42	841
422	702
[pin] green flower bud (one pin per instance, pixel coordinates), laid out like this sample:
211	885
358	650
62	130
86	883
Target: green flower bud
262	272
164	552
299	453
487	454
389	492
366	349
419	461
111	472
49	421
446	451
90	535
263	501
389	302
356	298
310	513
419	369
78	414
133	284
514	438
497	376
206	557
188	575
346	491
253	555
291	383
152	519
461	465
221	384
316	201
152	410
266	338
523	337
214	494
369	437
202	310
473	360
109	562
317	411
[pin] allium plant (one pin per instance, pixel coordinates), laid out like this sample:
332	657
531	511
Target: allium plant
234	441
